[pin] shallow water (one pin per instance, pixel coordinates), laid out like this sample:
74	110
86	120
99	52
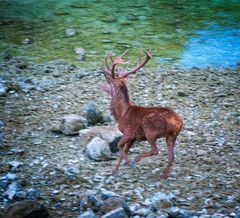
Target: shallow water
183	33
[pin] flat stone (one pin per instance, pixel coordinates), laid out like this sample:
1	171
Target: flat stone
69	124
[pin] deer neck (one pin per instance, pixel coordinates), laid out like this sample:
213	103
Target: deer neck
119	104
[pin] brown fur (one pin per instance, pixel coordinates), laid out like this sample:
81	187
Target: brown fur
139	123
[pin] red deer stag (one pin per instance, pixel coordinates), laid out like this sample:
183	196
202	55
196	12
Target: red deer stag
138	123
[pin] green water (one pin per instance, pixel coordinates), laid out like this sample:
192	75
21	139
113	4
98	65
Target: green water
168	27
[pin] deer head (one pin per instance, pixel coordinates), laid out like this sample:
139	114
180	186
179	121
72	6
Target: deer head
119	82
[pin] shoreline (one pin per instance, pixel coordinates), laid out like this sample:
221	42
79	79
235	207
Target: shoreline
204	178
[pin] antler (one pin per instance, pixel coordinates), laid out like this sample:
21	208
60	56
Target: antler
125	73
117	60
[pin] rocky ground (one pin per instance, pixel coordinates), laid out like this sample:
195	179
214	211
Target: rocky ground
55	170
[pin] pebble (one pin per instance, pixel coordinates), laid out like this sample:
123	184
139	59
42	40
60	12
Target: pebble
33	194
26	41
72	171
15	164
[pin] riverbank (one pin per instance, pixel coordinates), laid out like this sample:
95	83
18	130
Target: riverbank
205	175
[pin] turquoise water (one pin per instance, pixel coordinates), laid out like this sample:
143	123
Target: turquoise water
185	33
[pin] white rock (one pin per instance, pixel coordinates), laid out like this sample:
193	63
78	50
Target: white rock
80	51
108	133
98	149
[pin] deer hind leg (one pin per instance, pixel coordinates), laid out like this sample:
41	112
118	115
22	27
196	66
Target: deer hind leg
170	146
124	147
153	151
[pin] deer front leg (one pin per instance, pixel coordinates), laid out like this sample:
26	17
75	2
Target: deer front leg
126	149
124	145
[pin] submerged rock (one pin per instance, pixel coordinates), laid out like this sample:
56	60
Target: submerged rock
26	41
70	32
81	52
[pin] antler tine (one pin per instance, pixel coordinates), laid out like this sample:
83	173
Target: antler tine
124	53
107	69
105	60
139	65
110	57
118	60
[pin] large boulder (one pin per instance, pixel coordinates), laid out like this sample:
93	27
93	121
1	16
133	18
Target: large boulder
70	124
98	149
25	209
108	133
93	114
